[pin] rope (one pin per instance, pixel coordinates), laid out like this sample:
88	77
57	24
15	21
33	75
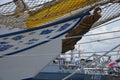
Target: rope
118	52
106	55
107	23
99	40
97	52
109	13
94	34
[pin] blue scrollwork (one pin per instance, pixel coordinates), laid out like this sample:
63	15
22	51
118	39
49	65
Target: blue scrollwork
19	37
4	46
4	43
48	31
64	27
31	41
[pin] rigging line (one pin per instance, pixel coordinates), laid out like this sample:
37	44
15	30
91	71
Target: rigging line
93	34
48	11
98	40
104	10
34	4
105	24
97	52
5	4
108	5
10	2
100	26
103	56
33	7
112	10
108	10
107	15
31	3
108	18
9	9
74	72
42	3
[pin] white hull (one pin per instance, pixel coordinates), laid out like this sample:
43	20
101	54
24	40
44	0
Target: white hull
28	63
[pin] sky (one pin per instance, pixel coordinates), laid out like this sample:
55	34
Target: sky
4	1
96	46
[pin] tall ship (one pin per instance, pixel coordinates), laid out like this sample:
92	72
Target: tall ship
34	33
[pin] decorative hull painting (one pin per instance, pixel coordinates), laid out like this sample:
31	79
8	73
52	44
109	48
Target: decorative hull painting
15	43
23	54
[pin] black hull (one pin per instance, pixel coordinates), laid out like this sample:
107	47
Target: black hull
61	75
